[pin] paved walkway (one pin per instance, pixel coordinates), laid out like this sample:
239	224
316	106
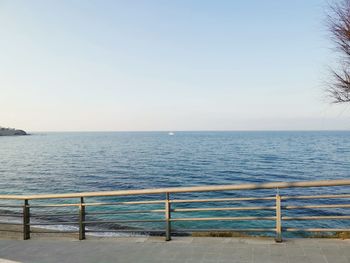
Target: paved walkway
182	250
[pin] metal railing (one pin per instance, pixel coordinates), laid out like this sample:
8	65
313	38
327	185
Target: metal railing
170	208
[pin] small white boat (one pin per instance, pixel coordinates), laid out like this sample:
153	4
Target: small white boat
171	133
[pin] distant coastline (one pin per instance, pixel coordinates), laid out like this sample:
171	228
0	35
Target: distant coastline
11	132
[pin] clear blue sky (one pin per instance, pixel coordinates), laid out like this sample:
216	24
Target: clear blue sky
166	65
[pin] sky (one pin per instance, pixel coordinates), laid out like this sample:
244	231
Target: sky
166	65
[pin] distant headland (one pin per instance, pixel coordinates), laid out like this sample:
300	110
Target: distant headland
11	132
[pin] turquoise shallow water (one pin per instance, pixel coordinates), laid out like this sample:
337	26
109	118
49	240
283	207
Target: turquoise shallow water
74	162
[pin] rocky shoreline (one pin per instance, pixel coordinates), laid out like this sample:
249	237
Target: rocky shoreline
11	132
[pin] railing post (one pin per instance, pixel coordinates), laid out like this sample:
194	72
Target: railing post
167	218
26	220
81	219
278	219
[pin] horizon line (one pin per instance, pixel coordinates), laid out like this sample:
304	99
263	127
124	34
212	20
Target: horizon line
257	130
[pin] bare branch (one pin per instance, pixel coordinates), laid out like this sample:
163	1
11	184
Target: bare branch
339	26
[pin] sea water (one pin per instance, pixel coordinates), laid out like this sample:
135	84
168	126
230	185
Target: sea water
103	161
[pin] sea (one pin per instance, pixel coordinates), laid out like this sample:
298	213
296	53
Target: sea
68	162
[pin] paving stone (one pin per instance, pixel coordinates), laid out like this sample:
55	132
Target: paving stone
336	259
182	250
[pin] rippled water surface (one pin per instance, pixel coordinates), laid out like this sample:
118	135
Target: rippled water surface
71	162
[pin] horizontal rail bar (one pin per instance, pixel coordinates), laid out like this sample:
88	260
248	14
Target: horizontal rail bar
18	206
314	217
126	230
10	223
125	203
196	200
316	230
226	230
99	204
224	209
54	232
220	199
127	212
53	205
9	230
53	223
274	185
124	221
314	196
241	218
315	206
